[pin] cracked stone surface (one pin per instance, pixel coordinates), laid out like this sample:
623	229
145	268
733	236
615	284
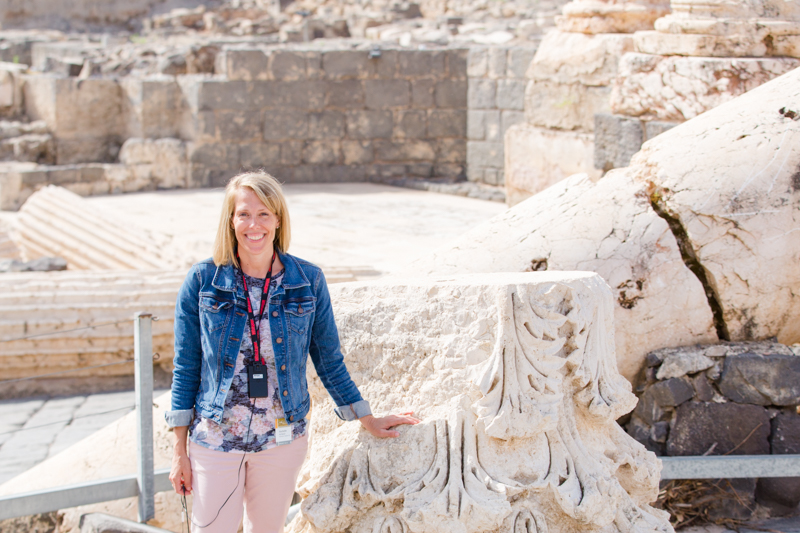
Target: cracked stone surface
606	227
513	378
730	177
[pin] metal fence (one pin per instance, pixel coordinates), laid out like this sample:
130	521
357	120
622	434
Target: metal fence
147	481
144	484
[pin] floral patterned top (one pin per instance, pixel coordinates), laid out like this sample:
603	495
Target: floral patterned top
231	434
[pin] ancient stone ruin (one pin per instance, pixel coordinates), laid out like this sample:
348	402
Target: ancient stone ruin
681	235
515	380
721	399
658	140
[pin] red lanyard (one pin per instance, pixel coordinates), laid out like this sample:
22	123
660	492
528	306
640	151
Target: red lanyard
255	322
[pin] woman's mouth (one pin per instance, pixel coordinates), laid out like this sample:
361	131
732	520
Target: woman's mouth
255	238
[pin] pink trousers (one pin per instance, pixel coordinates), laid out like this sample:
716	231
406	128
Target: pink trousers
265	488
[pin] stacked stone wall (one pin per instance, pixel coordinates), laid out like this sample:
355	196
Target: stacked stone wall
496	101
303	112
740	398
338	115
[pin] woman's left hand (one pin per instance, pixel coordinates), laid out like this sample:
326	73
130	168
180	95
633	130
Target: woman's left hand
379	426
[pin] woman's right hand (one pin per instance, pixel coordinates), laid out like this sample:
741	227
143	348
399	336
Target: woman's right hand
180	475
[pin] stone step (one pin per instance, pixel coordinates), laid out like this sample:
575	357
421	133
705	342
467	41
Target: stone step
33	304
57	222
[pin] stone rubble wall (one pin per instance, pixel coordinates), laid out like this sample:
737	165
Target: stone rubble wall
495	102
732	398
80	15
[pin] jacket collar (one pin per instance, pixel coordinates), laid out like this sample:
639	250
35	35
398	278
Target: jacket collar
226	277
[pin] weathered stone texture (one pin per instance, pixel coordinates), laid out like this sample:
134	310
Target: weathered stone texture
680	88
558	154
722	428
57	223
762	379
473	329
722	183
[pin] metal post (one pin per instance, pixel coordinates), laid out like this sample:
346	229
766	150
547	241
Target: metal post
143	356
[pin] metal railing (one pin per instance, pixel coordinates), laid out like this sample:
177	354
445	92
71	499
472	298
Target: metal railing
147	481
144	484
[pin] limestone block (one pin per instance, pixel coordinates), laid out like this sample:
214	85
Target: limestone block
590	60
616	139
477	62
565	106
481	93
8	248
447	123
608	16
731	28
451	93
162	161
513	377
381	94
55	303
85	116
413	123
570	78
680	88
484	154
606	227
536	158
56	222
727	182
153	106
718	190
519	59
11	89
511	94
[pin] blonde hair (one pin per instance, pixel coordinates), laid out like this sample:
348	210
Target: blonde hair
270	193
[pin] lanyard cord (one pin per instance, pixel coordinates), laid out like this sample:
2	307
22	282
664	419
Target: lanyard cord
255	325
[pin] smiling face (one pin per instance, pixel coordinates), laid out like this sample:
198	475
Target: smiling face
254	225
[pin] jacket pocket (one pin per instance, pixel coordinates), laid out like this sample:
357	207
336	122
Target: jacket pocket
214	313
299	314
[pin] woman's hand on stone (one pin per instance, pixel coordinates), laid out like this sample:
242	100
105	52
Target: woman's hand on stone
380	426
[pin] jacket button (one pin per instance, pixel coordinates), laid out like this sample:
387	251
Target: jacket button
299	310
279	340
286	393
274	313
291	418
283	367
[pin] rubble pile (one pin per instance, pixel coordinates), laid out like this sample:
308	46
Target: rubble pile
739	398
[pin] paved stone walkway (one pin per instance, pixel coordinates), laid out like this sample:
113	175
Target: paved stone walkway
31	430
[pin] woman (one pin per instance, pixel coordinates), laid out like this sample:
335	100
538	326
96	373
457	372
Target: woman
239	392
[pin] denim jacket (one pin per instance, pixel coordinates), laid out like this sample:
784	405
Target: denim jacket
210	320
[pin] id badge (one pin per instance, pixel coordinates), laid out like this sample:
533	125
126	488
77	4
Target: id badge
283	432
257	381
